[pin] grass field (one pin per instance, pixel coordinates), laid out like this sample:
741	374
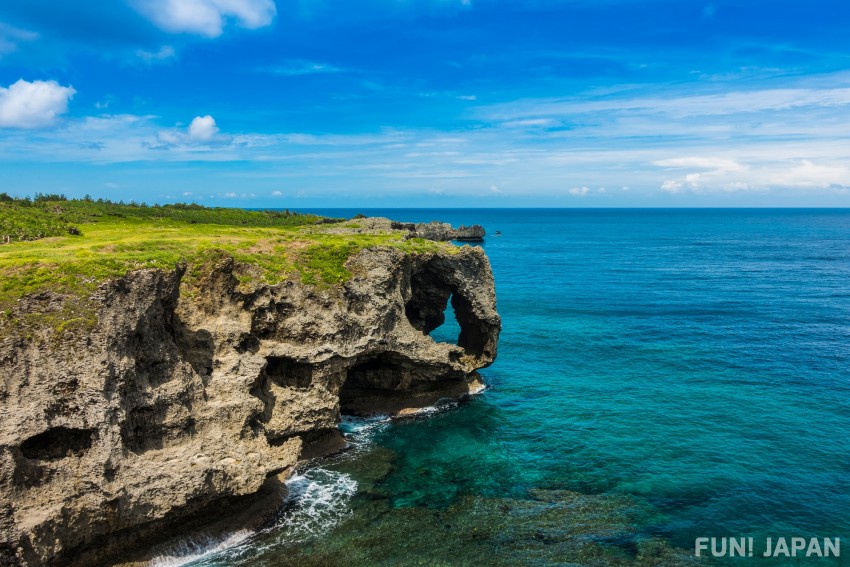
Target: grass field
70	247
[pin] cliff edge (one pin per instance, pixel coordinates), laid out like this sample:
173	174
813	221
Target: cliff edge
185	402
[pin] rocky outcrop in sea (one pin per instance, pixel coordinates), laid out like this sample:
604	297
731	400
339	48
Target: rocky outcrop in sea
442	231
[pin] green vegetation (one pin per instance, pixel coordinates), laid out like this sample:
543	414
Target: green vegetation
54	215
24	220
70	247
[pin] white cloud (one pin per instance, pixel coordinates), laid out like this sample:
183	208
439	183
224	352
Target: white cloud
567	165
164	53
10	37
206	17
33	104
299	67
277	194
529	122
584	191
672	186
170	137
203	128
202	131
105	103
710	163
721	174
676	104
807	175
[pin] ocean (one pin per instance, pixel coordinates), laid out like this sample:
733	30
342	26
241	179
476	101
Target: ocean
663	375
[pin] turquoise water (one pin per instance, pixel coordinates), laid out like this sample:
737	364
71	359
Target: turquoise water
662	375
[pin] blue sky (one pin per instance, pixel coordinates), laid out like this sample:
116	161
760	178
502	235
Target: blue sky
441	103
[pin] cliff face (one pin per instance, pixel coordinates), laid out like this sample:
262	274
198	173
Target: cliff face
180	407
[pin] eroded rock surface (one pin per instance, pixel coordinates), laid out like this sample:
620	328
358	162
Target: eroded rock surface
442	231
179	407
437	231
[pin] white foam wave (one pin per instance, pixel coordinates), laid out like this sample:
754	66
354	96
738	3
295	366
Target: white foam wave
195	549
318	500
361	431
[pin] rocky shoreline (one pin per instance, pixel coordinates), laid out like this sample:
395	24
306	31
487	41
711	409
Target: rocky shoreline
177	408
442	231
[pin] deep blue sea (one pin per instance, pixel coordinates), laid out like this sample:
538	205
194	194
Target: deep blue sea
662	375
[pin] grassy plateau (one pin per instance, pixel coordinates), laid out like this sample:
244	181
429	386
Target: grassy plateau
71	246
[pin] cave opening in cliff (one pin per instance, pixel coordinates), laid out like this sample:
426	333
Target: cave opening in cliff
57	443
386	382
431	298
368	381
288	372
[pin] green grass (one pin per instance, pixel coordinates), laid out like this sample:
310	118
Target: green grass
71	247
53	215
30	223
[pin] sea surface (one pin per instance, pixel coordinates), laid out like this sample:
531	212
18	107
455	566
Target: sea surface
662	375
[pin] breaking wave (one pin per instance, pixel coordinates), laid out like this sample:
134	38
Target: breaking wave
193	550
317	500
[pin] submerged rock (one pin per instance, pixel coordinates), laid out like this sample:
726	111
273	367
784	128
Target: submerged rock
549	528
177	408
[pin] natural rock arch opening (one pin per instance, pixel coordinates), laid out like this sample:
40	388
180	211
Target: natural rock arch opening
430	297
449	330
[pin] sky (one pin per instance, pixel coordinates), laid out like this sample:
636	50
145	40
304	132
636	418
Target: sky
428	103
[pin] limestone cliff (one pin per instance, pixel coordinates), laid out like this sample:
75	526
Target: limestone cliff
178	407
